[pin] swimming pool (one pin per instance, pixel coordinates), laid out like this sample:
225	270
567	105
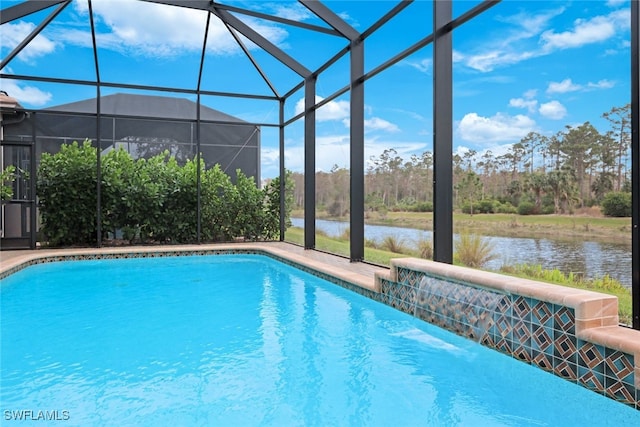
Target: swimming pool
247	340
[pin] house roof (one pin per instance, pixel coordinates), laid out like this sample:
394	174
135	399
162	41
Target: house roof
123	104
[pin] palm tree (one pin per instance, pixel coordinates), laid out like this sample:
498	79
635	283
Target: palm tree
560	183
536	183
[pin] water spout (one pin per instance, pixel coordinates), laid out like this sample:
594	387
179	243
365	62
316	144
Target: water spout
463	309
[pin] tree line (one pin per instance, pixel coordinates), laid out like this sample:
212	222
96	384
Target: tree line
576	167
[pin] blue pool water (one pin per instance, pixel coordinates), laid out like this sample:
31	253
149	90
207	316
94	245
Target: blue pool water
245	340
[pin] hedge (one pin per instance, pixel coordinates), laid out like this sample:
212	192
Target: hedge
152	200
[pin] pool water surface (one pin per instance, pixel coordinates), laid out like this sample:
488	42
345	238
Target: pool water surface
247	340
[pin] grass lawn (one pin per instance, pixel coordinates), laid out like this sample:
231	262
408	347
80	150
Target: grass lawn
592	227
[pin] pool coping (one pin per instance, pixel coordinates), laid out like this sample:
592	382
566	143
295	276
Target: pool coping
22	259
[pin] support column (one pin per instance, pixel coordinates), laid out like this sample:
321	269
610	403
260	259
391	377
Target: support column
357	153
283	174
635	162
310	162
442	134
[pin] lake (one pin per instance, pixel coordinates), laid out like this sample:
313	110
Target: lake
592	259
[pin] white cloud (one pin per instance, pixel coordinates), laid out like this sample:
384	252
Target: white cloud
294	12
615	3
161	30
14	34
587	31
332	150
563	87
601	84
530	24
25	95
553	110
506	49
488	61
500	127
340	110
515	46
333	110
424	65
529	104
376	123
567	85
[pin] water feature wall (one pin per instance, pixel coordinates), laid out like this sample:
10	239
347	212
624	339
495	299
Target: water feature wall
571	333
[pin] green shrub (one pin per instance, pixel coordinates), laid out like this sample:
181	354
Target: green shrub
272	206
526	208
423	207
474	251
247	208
66	188
7	176
484	206
393	244
153	200
617	204
505	208
425	248
548	210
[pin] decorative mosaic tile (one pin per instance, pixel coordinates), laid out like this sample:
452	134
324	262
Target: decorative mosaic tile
503	327
409	277
487	341
619	366
521	308
565	347
522	334
564	319
540	338
543	361
621	392
504	345
522	353
591	356
542	314
565	369
590	380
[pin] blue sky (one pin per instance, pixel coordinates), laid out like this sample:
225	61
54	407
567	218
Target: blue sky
520	67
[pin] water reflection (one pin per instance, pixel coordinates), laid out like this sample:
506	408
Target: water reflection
592	259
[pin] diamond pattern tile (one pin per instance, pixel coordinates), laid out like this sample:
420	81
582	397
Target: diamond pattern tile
521	308
619	365
541	314
522	353
592	381
540	339
621	392
544	361
565	347
564	320
522	333
591	356
565	370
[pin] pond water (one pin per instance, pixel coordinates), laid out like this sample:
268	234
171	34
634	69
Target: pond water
592	259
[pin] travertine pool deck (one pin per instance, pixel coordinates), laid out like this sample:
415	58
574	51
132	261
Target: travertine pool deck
361	274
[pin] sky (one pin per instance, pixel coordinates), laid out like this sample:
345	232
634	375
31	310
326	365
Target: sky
520	67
